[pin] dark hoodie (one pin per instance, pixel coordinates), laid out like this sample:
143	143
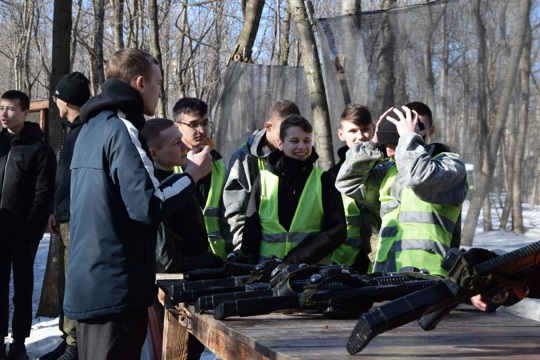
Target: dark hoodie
293	175
27	171
63	173
116	206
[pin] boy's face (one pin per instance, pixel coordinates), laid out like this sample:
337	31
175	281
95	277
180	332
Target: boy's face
353	134
194	129
12	116
297	143
151	90
172	152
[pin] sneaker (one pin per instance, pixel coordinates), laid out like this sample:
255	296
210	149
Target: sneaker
56	353
17	352
70	354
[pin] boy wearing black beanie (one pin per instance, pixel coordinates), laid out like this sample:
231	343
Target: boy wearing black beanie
419	193
71	93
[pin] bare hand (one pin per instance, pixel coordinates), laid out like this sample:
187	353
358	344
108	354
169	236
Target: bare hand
479	303
52	225
199	163
408	121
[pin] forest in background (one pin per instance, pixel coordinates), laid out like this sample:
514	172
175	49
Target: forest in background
195	40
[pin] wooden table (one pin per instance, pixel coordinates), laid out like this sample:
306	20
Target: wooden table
464	334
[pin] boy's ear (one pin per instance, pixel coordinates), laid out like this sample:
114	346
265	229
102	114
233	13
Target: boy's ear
138	84
154	154
267	125
340	135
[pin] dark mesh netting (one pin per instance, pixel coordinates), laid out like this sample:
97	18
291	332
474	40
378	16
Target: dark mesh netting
422	53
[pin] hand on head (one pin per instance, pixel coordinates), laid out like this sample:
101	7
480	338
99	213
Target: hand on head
407	122
199	163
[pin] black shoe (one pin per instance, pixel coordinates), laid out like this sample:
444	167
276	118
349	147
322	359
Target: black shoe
17	352
56	353
70	354
3	352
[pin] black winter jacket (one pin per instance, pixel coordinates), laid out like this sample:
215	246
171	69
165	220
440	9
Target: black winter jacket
63	172
27	170
182	241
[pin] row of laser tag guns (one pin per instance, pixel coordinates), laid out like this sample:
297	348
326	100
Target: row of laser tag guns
246	290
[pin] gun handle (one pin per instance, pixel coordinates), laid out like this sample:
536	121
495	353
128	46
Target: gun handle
431	320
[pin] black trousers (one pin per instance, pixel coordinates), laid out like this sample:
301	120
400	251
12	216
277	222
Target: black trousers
19	254
113	337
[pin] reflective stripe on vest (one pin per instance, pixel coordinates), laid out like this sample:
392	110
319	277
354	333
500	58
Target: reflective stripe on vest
211	210
346	253
307	219
413	233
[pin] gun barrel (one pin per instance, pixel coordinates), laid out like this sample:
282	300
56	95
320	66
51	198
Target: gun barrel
255	306
210	302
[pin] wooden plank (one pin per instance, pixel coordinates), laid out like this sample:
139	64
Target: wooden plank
464	334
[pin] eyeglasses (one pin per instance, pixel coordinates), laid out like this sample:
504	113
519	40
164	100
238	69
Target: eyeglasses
197	125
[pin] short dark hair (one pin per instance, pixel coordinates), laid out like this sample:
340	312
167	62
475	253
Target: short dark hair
292	121
422	109
190	105
357	114
152	129
282	109
24	101
126	64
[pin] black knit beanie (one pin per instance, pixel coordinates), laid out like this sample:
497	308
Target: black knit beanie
73	88
387	133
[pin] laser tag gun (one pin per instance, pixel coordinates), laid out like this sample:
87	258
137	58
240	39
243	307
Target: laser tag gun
330	290
188	291
229	269
472	272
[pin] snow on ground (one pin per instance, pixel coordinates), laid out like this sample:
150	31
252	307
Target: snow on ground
45	334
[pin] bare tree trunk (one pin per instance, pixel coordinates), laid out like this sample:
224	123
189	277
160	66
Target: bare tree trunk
485	178
521	135
118	21
350	6
156	51
252	18
60	62
98	72
74	30
285	46
317	93
386	79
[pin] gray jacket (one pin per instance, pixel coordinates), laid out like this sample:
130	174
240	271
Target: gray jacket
438	180
244	167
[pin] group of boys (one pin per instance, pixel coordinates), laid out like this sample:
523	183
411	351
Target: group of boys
132	193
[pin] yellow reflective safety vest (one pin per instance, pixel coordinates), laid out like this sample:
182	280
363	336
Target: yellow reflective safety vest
211	210
413	232
346	253
308	217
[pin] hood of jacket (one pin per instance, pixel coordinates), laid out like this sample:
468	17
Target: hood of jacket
257	144
116	94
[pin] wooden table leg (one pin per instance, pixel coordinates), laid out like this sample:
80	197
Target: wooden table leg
175	337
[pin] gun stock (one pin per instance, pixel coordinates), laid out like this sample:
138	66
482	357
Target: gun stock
434	303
